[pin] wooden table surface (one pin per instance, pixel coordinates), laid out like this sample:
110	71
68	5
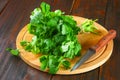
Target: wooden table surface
14	14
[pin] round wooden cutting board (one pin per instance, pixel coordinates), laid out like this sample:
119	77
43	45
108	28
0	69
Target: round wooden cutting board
86	40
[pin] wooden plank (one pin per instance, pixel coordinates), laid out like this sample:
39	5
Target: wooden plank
84	76
111	70
93	9
64	5
12	19
3	4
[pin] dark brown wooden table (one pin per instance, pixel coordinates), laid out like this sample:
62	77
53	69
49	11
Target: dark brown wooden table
14	14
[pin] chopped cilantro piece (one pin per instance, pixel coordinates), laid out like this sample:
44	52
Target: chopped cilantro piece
14	52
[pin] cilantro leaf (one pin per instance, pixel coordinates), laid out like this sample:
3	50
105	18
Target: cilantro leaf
44	62
88	26
45	7
53	64
66	64
14	52
23	43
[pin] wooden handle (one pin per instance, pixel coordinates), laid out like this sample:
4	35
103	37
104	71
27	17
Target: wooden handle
111	35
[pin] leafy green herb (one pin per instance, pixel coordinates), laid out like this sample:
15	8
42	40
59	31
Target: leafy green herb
88	26
54	37
44	62
14	52
53	63
66	64
23	43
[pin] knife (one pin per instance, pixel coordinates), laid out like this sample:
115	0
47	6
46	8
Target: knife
92	50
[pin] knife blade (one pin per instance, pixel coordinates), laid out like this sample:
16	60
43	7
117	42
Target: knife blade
92	50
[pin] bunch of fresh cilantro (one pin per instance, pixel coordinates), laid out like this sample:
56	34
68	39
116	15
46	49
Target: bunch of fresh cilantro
54	37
